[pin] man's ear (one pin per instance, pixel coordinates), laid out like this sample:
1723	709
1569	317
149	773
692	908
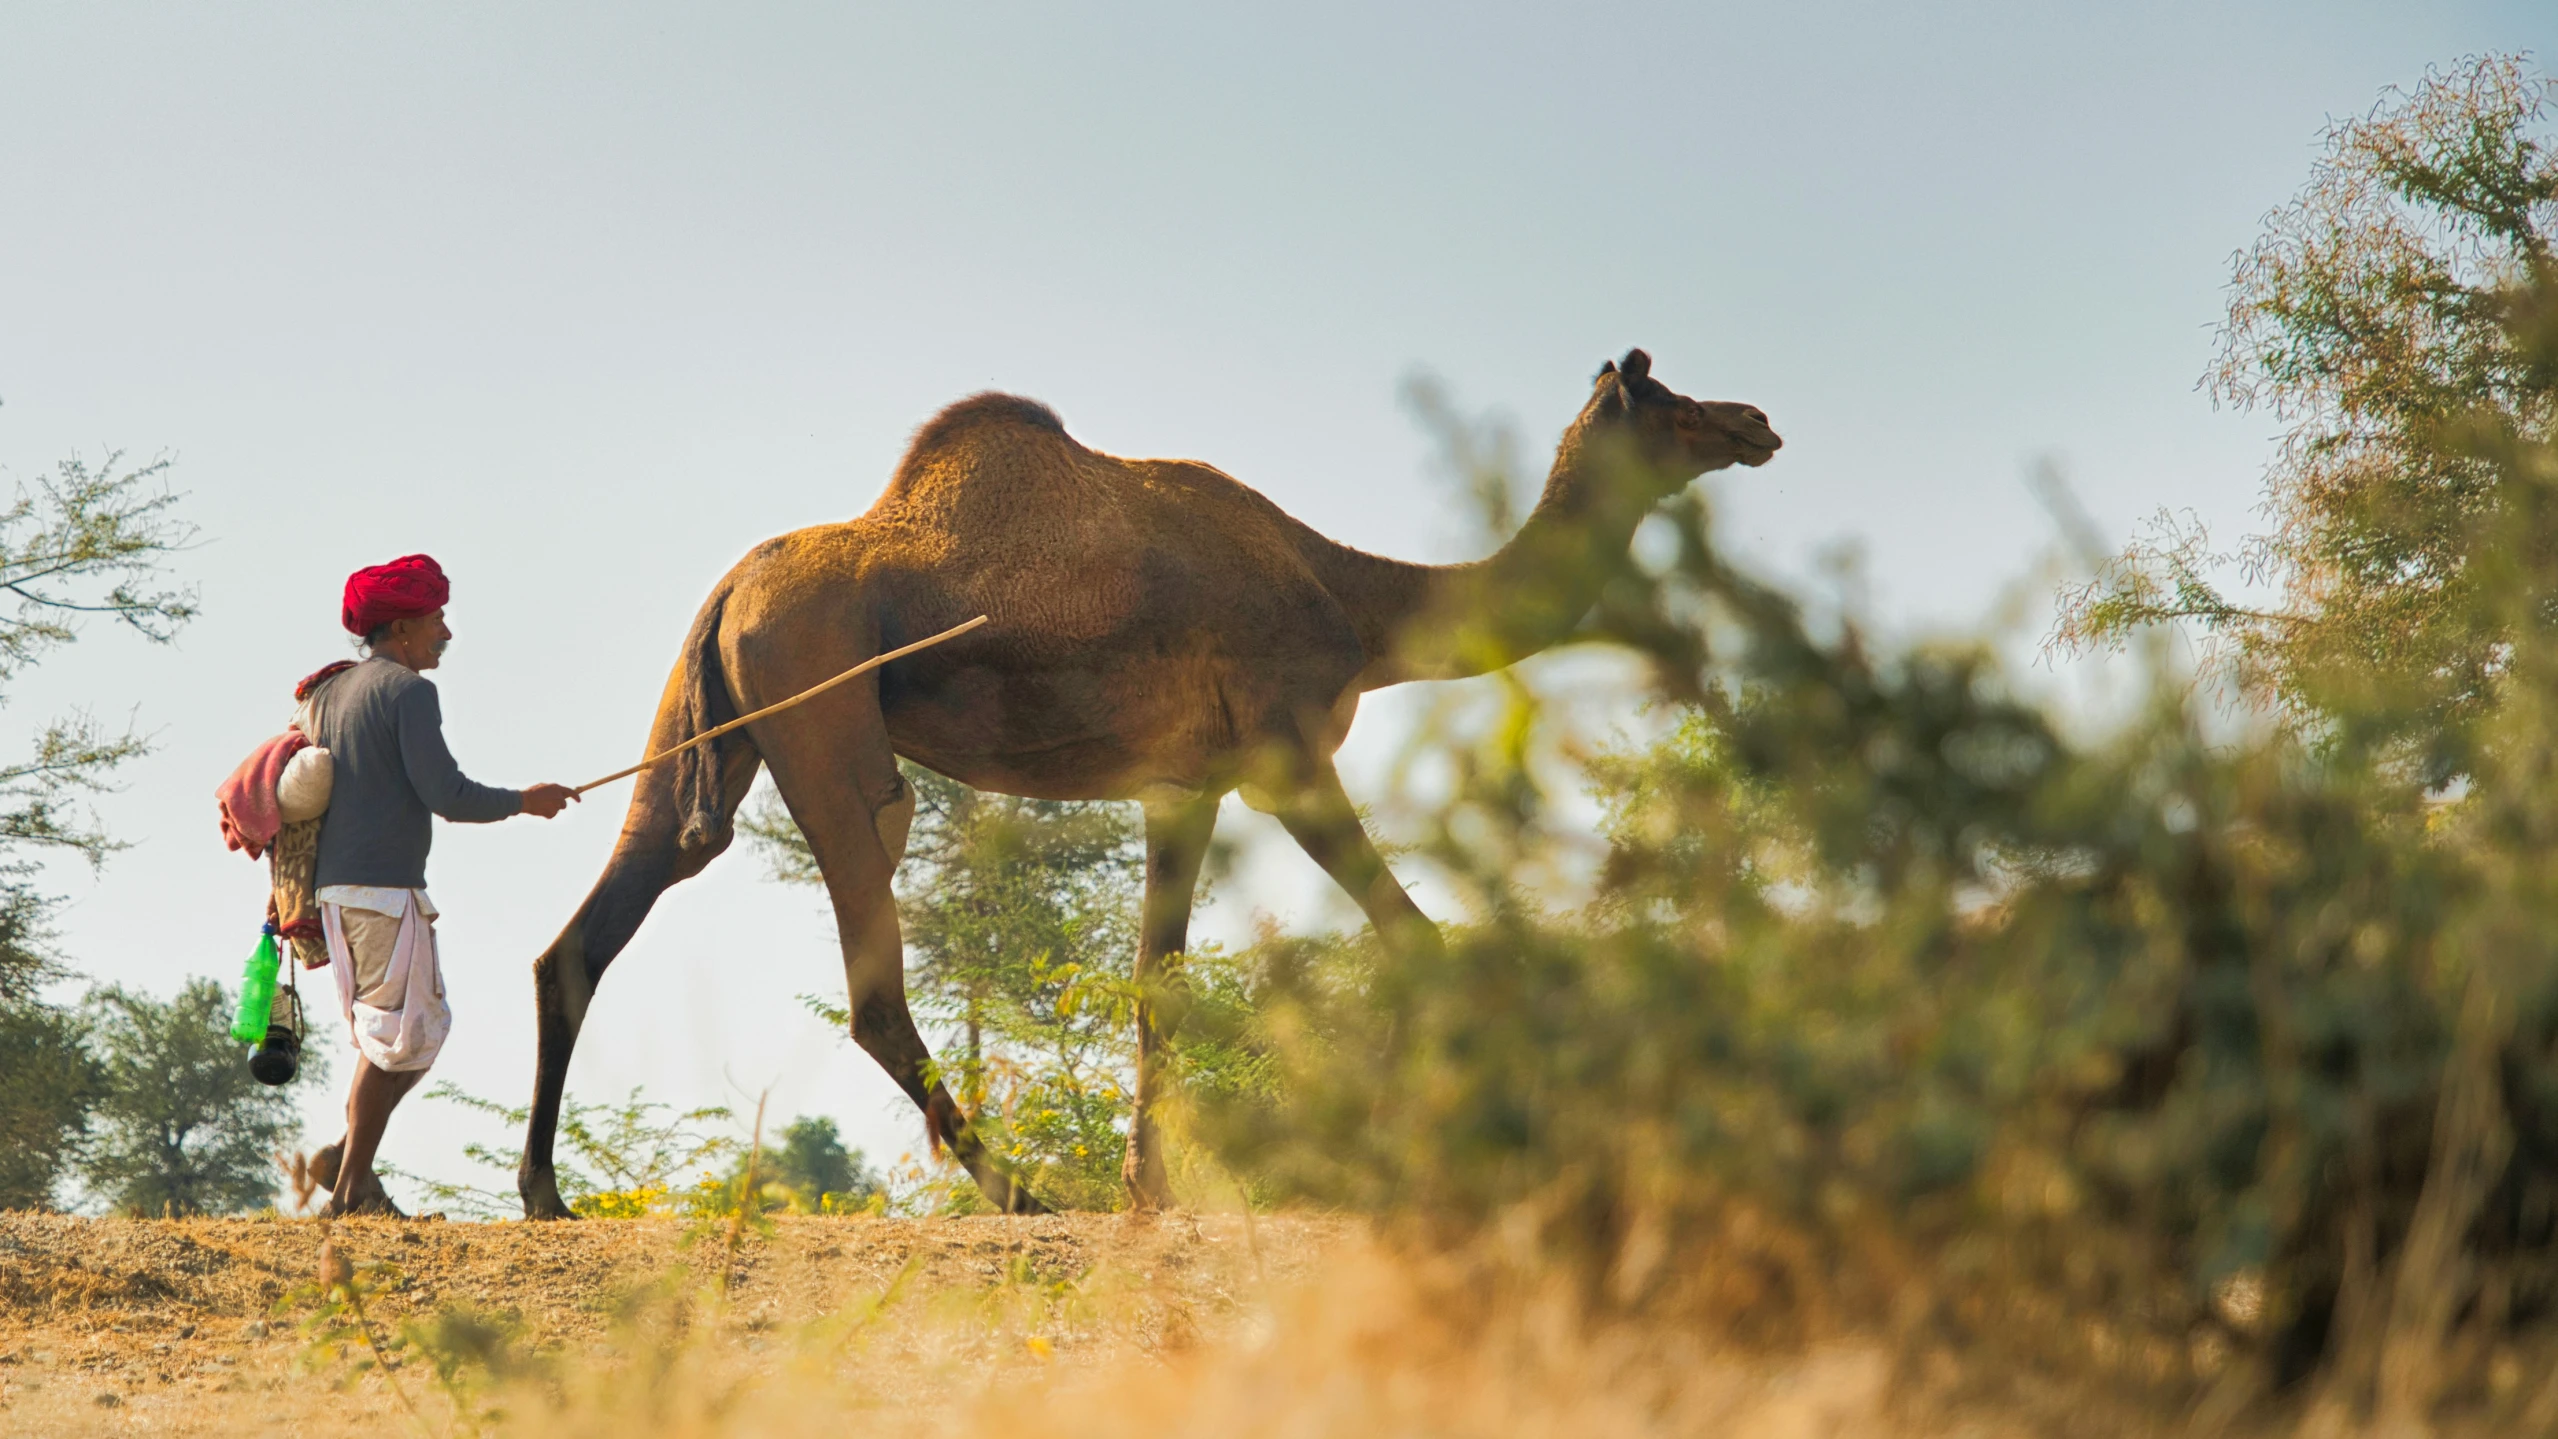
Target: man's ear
1636	365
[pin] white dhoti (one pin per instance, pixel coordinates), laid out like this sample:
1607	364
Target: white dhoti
390	984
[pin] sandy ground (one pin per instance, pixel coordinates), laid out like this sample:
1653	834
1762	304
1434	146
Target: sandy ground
187	1326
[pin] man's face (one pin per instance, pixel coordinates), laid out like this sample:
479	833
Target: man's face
419	643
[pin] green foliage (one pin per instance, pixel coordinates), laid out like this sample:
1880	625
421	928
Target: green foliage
84	540
2373	318
48	1080
181	1127
1020	919
808	1172
82	528
97	524
1890	995
811	1172
615	1161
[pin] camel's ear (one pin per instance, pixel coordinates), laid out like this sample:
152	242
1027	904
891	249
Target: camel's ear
1636	365
1606	368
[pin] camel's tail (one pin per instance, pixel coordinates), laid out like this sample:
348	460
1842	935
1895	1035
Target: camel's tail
700	700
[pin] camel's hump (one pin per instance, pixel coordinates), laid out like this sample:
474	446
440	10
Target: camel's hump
988	410
988	438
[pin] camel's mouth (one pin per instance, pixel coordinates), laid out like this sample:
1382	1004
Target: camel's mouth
1753	452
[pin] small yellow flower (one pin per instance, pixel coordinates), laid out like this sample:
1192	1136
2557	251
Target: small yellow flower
1039	1348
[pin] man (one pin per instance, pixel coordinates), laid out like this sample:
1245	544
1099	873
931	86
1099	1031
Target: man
384	730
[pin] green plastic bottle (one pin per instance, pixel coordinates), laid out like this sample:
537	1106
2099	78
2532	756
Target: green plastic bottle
257	991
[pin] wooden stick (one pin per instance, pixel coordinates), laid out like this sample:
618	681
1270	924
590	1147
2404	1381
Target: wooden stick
812	692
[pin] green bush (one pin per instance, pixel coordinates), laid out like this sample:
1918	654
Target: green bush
811	1172
181	1126
48	1080
621	1161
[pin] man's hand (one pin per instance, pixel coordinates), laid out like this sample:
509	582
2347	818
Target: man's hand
544	800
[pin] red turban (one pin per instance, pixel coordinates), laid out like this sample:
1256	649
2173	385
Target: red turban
407	587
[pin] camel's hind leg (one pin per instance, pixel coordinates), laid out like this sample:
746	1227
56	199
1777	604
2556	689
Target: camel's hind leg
831	761
1177	835
646	861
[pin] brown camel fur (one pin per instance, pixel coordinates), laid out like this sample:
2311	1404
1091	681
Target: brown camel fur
1160	633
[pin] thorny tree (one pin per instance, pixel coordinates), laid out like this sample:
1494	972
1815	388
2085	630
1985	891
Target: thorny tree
2371	317
86	540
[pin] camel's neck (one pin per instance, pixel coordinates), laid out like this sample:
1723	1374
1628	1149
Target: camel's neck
1449	621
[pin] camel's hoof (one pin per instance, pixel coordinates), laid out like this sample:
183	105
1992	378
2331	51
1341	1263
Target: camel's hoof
542	1198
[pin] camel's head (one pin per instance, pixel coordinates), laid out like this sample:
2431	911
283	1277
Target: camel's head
1679	437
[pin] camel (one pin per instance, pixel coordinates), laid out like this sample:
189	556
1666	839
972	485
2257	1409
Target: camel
1160	633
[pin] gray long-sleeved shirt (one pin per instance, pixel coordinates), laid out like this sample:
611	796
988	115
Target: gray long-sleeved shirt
390	772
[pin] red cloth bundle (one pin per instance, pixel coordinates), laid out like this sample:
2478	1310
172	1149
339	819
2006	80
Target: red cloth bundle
250	815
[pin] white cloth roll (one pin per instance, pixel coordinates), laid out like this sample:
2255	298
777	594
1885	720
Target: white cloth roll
302	791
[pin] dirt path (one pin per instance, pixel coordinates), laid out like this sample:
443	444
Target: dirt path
117	1325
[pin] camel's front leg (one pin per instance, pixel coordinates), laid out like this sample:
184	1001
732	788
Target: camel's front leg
1318	815
875	980
1177	834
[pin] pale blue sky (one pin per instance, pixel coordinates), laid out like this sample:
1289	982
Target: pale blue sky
585	300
